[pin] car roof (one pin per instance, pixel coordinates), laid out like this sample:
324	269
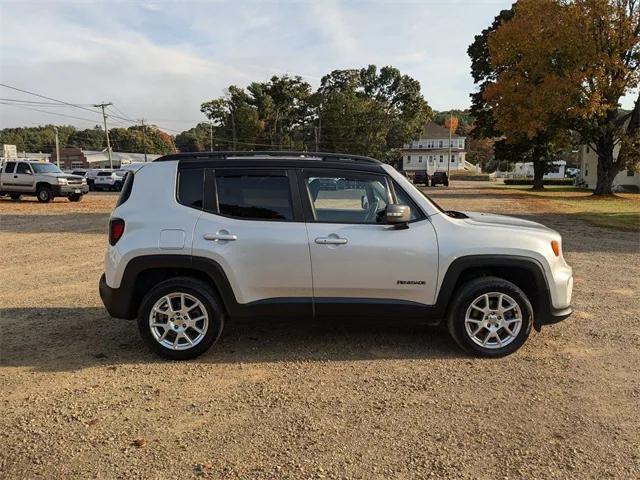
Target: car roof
283	159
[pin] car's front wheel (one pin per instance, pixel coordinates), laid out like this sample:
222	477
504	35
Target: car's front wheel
180	318
75	197
490	317
44	194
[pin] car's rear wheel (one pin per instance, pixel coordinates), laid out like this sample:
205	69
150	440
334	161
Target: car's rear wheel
490	317
180	318
44	194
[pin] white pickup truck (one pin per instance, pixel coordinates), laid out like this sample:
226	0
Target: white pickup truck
42	179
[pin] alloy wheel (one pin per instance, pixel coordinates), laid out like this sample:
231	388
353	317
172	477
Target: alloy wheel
493	320
178	321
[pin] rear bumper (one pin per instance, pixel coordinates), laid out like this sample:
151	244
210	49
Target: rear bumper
117	301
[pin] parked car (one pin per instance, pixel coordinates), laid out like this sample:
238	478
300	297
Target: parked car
421	178
439	178
41	179
197	240
571	172
91	175
109	180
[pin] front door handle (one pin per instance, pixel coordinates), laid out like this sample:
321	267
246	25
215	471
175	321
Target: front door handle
225	237
331	241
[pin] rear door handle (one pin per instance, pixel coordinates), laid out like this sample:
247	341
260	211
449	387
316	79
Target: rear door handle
331	241
226	237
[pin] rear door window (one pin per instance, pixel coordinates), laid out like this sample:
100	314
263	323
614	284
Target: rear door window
23	168
8	168
254	196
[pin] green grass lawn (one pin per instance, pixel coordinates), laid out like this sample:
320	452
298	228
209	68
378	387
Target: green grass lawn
621	211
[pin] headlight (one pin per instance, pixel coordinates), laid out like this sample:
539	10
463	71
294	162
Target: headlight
83	181
62	181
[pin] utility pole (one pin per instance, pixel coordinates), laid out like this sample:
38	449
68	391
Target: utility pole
318	130
106	130
211	135
449	159
233	126
57	147
144	139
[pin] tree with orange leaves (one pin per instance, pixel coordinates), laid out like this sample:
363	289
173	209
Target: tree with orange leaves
565	65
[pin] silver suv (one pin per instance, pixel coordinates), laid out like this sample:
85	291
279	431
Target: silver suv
199	239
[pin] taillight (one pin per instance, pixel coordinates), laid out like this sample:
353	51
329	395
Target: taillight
116	229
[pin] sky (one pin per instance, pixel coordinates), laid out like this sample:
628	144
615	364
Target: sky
159	60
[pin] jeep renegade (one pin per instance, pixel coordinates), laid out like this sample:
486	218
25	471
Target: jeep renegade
202	238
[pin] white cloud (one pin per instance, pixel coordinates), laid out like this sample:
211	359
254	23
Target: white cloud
160	60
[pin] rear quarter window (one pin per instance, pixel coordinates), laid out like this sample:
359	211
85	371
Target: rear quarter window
190	187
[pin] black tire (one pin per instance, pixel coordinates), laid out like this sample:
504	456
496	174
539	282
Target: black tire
91	186
471	291
75	197
15	196
203	293
118	186
44	194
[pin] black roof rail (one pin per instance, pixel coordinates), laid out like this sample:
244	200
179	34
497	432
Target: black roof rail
222	155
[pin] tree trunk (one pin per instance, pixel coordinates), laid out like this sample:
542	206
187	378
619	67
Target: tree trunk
538	169
607	168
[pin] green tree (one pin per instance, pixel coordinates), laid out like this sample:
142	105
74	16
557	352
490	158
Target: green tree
235	118
88	139
369	112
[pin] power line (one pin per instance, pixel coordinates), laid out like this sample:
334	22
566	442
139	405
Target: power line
32	102
48	98
51	113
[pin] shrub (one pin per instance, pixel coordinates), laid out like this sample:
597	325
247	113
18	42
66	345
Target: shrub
547	181
479	177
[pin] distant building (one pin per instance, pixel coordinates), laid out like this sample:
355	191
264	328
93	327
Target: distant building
430	152
71	158
588	175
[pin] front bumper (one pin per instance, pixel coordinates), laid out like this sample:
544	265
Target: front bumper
66	190
117	301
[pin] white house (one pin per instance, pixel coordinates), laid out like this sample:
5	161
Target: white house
589	170
431	151
525	169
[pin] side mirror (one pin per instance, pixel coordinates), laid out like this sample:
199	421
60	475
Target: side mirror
364	202
398	215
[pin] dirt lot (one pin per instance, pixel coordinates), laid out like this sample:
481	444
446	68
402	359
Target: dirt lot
82	397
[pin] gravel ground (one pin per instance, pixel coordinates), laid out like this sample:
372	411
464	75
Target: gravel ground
82	398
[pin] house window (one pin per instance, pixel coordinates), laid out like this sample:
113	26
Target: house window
420	159
441	144
441	158
419	146
630	173
408	158
76	164
453	158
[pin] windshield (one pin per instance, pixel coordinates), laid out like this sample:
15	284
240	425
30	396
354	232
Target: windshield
408	185
45	168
